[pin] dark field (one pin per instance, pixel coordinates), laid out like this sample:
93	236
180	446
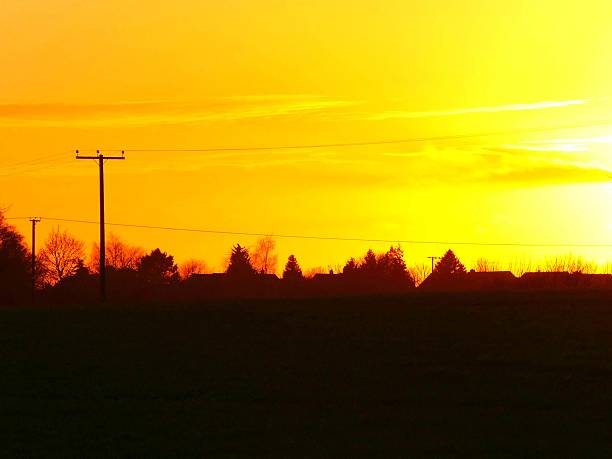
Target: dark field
416	376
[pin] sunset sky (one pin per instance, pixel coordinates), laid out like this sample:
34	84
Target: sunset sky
512	99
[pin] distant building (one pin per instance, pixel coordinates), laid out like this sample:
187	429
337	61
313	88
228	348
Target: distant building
565	280
227	286
505	280
472	281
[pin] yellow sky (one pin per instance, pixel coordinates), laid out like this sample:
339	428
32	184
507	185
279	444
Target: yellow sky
187	74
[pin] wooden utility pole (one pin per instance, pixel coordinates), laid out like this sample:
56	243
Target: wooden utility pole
34	221
433	259
101	160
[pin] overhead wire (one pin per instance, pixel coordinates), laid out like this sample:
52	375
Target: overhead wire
34	161
327	238
46	160
49	159
364	143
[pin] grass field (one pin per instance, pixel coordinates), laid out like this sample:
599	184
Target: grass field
425	375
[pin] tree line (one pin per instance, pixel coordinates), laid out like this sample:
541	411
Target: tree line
62	261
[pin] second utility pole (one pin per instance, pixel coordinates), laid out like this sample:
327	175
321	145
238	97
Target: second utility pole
34	221
433	259
101	158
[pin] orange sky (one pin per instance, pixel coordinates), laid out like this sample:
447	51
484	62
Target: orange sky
187	74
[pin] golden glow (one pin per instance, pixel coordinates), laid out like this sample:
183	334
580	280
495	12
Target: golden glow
190	74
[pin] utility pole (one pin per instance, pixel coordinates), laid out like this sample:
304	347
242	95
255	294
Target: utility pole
433	259
34	221
101	160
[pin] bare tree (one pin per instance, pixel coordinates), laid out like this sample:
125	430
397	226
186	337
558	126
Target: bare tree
192	266
484	265
310	273
264	257
419	272
584	266
520	266
555	264
61	256
569	263
119	255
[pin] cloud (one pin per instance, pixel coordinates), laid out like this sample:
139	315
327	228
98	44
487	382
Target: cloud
451	166
399	114
580	141
142	113
552	173
554	148
232	108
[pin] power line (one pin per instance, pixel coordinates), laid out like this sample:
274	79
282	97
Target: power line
364	143
328	238
50	160
34	161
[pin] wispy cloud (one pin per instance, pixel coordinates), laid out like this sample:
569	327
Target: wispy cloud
569	145
555	148
452	166
340	170
395	114
546	173
583	140
164	112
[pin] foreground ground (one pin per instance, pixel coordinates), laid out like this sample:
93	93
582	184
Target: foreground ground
417	376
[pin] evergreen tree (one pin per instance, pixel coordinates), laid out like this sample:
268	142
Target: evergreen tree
449	264
292	269
240	262
158	268
14	264
351	267
370	263
392	264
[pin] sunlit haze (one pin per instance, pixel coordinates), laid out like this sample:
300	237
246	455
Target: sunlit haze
503	111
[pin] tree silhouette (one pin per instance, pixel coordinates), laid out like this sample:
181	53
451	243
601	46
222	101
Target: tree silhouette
263	257
449	264
119	255
370	263
419	272
81	271
190	267
388	266
569	263
392	264
351	267
61	256
240	262
484	265
158	268
292	269
14	262
520	266
311	272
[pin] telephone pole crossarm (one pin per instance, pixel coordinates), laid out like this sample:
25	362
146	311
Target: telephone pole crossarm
98	157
